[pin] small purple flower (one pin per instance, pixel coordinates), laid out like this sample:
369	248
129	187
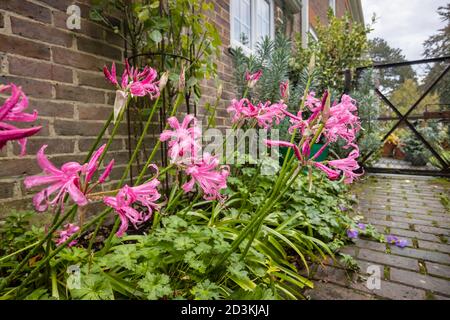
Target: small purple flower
401	243
352	233
342	207
362	226
391	239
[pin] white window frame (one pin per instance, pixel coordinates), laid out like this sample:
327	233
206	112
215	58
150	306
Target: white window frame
237	44
313	33
332	5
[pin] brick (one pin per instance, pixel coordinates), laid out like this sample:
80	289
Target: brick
76	59
52	108
73	128
412	221
413	234
392	224
387	289
377	246
421	254
24	47
89	112
59	4
388	259
96	80
32	88
55	145
6	190
98	48
18	167
329	291
433	230
88	28
44	123
37	31
41	70
85	144
438	270
27	9
75	93
420	281
434	246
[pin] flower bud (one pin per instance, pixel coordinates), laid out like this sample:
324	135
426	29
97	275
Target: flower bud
219	91
182	79
163	80
312	63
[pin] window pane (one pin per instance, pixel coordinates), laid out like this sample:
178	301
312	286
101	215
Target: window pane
241	21
262	19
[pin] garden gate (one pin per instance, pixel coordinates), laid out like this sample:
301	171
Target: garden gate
414	135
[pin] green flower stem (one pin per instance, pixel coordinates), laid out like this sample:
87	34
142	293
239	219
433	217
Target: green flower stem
114	131
99	137
141	139
55	293
178	102
43	262
24	261
260	215
18	251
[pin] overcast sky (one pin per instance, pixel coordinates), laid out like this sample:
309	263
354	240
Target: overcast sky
404	24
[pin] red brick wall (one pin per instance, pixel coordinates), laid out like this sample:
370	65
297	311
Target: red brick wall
60	71
319	9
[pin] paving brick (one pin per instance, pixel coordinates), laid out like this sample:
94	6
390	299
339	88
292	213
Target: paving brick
377	246
412	221
391	224
438	270
421	254
420	281
413	234
388	259
434	246
387	289
433	230
329	291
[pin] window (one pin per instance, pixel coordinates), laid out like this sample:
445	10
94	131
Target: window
251	20
332	5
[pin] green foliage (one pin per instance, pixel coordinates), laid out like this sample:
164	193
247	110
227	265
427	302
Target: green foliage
341	45
389	78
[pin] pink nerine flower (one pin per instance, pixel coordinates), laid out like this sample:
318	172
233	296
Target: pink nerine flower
68	179
269	113
13	110
348	165
184	144
342	122
284	90
242	109
252	78
264	113
138	83
208	176
69	230
145	194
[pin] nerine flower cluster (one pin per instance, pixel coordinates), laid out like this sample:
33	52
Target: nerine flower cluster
76	181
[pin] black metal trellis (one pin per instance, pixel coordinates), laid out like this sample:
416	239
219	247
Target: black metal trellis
405	118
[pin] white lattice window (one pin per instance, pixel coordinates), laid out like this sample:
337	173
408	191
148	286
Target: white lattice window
250	20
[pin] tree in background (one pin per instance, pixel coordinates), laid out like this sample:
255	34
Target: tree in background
407	94
340	45
389	78
436	46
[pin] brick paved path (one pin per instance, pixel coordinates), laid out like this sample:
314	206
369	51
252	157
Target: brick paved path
409	207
